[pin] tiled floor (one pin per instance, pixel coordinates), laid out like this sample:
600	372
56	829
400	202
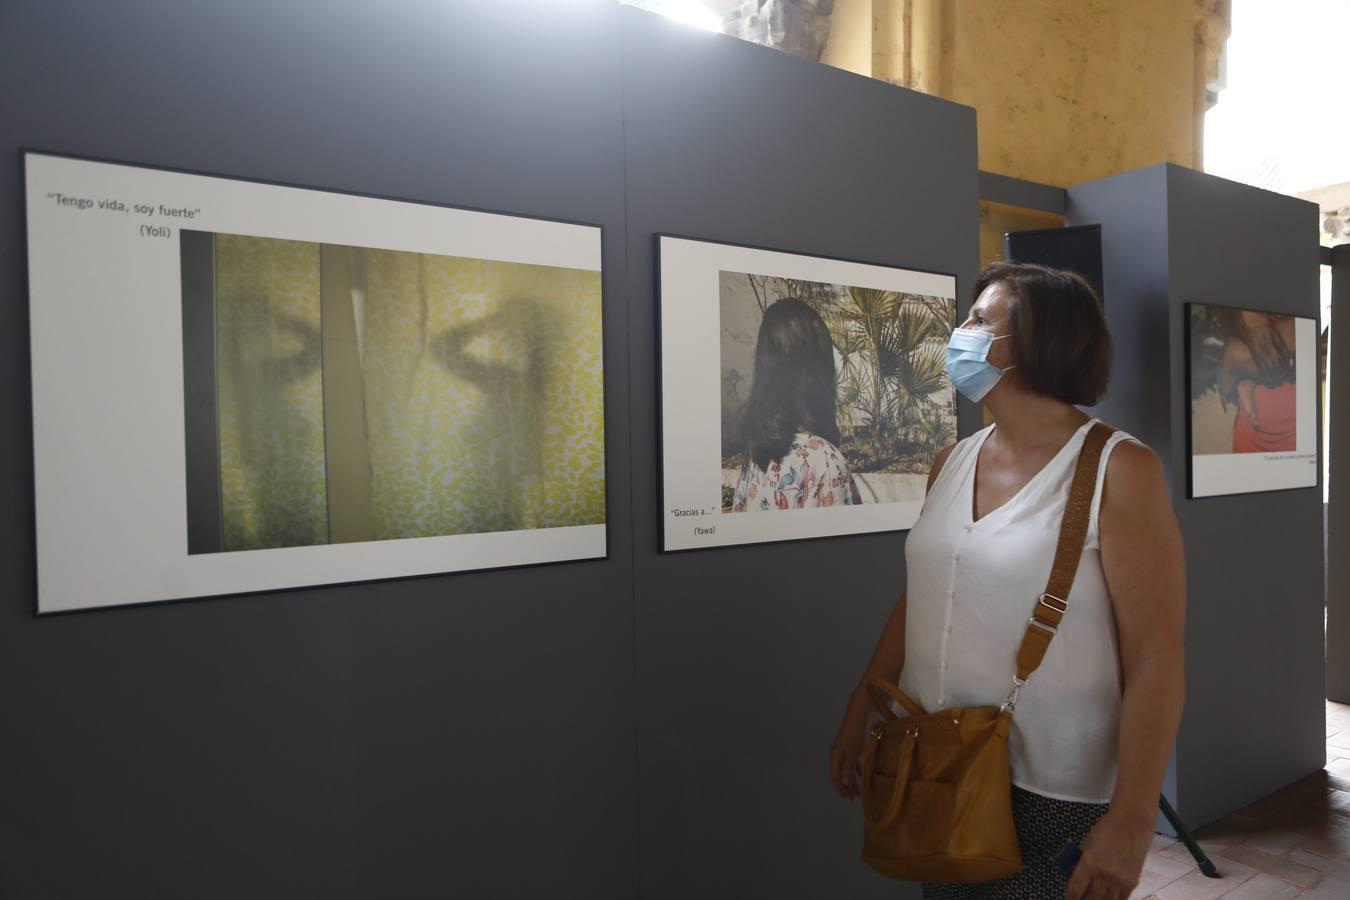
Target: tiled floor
1293	843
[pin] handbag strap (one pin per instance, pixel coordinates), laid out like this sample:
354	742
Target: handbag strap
882	692
1051	605
904	764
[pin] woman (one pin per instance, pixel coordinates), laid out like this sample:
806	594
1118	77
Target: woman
1095	724
792	458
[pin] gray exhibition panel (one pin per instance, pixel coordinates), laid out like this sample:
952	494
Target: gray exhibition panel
643	724
745	656
1338	510
1254	640
470	734
1338	506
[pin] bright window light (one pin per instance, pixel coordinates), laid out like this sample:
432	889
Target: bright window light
689	12
1276	124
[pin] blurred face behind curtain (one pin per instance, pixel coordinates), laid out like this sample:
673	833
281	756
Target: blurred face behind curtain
269	383
484	397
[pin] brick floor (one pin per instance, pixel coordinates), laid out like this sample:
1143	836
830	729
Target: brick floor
1294	843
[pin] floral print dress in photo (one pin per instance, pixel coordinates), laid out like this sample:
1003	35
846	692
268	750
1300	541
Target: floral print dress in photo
813	473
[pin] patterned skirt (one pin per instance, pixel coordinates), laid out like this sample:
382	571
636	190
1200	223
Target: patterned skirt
1044	826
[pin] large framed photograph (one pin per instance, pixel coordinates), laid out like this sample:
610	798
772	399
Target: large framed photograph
1252	379
241	387
801	396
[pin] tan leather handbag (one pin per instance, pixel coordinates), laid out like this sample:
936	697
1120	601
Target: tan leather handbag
937	789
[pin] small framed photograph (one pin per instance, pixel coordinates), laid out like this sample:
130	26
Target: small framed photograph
243	387
801	396
1252	387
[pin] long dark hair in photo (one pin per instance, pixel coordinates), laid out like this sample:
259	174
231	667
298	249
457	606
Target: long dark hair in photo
793	384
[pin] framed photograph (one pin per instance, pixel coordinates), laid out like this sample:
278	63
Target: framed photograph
801	396
1252	384
243	387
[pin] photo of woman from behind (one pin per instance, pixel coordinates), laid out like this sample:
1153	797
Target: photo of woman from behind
792	458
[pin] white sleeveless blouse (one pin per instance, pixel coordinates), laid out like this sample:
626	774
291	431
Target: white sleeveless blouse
972	586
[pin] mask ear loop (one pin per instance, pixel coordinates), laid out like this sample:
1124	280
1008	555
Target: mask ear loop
999	338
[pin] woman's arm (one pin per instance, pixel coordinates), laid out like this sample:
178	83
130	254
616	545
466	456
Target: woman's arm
1235	364
1270	338
887	661
1144	564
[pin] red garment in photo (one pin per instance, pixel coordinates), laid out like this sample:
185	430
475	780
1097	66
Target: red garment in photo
1277	413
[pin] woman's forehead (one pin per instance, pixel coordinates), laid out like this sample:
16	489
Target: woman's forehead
992	299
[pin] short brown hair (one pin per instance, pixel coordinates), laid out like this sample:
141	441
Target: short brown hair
1058	328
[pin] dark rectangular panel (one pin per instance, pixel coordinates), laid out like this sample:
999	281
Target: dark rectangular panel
1077	248
1338	503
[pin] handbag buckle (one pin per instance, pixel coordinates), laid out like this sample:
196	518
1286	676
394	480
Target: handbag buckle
1060	605
1044	626
1063	606
1010	702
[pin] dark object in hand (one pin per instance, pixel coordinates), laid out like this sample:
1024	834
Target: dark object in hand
1067	858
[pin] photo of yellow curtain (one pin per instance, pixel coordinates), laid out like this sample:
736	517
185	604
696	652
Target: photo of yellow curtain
367	394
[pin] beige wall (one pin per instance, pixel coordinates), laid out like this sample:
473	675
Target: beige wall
1065	90
850	43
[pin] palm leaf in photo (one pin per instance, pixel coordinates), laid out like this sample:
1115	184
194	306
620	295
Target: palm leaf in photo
926	371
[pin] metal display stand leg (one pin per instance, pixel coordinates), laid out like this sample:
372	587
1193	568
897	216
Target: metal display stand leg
1201	859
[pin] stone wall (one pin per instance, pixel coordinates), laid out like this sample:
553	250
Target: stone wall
1066	91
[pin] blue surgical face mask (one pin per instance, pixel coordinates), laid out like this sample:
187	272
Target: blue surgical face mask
968	363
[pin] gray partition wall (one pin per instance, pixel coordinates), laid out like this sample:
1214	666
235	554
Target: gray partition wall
1338	505
746	655
469	735
644	725
1254	643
